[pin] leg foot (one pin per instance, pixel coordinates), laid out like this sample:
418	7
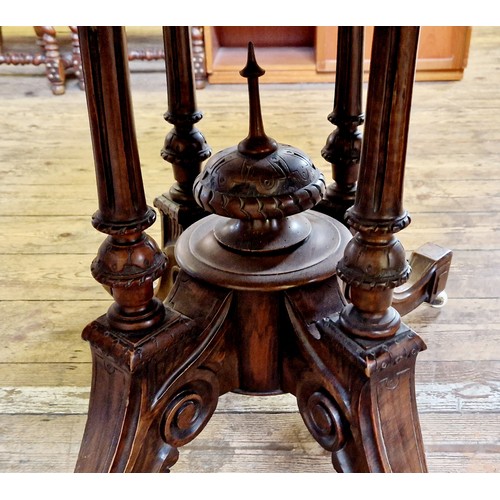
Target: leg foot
440	301
356	396
430	266
155	392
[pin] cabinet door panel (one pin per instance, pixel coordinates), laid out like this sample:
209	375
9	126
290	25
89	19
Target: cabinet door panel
442	49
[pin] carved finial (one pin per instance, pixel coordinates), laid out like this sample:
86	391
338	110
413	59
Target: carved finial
260	185
257	143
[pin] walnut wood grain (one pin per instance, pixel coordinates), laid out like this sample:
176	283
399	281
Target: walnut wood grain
45	368
128	261
375	262
255	304
343	147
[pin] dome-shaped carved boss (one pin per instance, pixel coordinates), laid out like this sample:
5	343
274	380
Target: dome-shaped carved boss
272	187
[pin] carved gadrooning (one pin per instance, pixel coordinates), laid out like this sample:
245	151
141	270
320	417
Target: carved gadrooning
274	187
185	145
371	266
260	183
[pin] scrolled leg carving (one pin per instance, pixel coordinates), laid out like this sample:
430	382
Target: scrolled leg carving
384	421
328	425
175	419
152	394
323	418
190	409
356	396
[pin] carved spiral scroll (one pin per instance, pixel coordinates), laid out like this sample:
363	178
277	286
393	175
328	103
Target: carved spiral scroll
323	420
189	410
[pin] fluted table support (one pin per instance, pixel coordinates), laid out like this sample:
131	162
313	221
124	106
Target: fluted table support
128	261
374	262
185	147
343	146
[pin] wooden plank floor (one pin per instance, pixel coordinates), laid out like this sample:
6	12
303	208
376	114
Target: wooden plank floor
47	295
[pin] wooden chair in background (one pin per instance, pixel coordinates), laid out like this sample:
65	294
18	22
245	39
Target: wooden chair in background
59	63
262	288
56	63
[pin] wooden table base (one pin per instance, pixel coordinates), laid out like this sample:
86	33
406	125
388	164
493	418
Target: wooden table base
153	393
264	296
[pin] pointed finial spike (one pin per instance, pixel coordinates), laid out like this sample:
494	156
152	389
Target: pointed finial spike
252	69
257	143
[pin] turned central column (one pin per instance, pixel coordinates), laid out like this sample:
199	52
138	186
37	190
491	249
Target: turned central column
261	239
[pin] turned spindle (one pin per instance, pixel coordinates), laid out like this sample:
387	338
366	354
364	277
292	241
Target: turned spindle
54	64
185	147
343	146
76	57
199	56
375	262
128	261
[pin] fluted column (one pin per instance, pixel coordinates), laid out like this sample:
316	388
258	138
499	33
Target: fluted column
343	146
185	147
374	262
128	261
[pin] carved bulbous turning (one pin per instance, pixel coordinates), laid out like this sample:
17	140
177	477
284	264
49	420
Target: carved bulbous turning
185	146
262	195
259	193
273	187
374	262
128	261
259	184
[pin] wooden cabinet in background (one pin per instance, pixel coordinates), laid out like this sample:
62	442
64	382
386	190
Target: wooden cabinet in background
307	54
